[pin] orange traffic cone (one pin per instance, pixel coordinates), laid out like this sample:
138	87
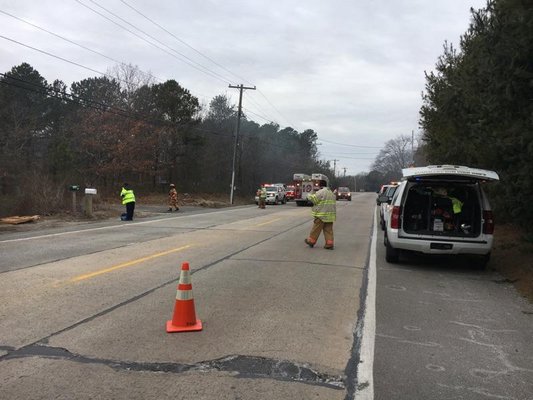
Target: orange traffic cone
184	318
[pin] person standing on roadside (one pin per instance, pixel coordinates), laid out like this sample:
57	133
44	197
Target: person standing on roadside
325	213
172	198
262	194
128	199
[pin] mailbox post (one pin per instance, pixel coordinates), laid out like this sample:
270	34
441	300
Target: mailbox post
89	193
74	189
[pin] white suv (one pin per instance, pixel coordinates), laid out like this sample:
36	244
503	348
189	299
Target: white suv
440	209
275	194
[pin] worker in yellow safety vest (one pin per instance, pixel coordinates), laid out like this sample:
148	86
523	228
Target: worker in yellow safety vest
324	213
128	199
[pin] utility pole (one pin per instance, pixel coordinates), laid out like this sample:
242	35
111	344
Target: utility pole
344	171
335	167
241	87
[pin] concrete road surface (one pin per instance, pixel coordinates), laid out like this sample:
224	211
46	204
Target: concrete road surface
83	311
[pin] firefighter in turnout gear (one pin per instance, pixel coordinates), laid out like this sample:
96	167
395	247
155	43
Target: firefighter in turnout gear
324	213
262	194
172	198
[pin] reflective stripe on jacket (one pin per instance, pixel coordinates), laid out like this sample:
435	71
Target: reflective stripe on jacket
324	205
127	196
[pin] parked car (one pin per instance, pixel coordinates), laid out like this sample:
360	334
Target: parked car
441	209
343	193
381	192
385	201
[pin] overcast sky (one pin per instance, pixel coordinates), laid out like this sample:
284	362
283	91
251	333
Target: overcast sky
352	70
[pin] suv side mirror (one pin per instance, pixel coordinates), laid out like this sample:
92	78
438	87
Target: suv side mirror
384	199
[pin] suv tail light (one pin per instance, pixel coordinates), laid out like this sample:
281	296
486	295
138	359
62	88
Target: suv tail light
488	224
395	221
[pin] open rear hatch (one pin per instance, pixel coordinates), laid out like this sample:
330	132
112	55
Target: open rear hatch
444	201
449	172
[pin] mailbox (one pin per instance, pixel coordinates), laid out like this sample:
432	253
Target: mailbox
74	188
90	191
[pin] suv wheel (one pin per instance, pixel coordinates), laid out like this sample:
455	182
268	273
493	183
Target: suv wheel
392	255
480	262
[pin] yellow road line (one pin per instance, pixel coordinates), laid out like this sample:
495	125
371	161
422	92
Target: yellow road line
127	264
269	222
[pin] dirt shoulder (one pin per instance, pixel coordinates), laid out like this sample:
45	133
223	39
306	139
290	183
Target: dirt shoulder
512	257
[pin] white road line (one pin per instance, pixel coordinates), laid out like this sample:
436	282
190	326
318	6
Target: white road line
124	225
365	374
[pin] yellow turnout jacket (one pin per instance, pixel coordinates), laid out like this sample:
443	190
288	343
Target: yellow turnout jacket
324	205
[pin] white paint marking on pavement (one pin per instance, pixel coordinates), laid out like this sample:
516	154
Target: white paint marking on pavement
121	226
365	374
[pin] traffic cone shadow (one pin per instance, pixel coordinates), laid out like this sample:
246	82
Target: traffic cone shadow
184	317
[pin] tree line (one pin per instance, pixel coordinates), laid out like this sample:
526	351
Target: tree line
478	110
103	131
478	104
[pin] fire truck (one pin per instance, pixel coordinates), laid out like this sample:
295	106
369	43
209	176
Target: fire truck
305	184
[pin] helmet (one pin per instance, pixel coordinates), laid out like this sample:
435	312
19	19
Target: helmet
172	185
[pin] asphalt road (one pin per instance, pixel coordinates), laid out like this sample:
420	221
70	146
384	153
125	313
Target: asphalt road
83	310
446	330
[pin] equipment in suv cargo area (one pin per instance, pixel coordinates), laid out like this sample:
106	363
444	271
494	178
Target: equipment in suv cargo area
440	209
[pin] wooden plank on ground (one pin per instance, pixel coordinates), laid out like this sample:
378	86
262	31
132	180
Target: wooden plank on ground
14	220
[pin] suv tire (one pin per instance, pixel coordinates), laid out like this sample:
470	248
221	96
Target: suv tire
480	262
392	255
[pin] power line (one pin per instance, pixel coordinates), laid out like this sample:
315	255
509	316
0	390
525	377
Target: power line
351	145
257	115
352	153
73	42
349	158
206	57
58	57
186	59
183	42
269	118
224	79
275	109
251	100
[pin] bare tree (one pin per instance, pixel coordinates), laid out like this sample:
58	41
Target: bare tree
396	154
130	78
